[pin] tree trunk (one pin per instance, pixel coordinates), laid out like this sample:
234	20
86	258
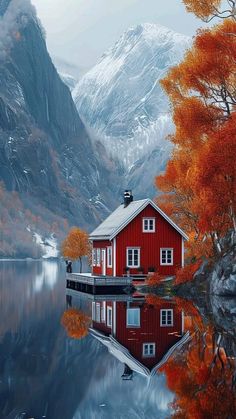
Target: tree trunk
80	260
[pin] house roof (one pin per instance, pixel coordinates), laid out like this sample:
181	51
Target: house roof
122	216
123	354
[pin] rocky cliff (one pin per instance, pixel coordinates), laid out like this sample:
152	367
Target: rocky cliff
46	155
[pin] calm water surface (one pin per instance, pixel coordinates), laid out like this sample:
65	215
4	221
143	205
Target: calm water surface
143	357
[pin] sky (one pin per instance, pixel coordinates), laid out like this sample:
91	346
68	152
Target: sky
79	31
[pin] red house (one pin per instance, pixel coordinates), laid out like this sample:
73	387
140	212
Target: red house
139	335
138	237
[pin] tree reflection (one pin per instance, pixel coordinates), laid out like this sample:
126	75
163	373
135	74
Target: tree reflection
203	377
76	323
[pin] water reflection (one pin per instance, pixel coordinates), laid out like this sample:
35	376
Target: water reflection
45	373
140	335
151	336
134	357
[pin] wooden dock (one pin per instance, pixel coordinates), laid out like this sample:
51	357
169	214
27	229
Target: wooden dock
76	296
96	284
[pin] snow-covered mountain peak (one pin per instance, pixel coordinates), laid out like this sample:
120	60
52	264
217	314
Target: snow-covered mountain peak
153	31
120	99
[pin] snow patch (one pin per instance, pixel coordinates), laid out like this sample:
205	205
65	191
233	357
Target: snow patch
48	246
48	276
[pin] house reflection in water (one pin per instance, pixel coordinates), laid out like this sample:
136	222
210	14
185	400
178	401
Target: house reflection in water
139	335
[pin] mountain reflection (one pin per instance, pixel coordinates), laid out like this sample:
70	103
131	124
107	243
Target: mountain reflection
121	363
150	335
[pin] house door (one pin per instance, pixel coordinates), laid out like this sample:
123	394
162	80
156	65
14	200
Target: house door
103	261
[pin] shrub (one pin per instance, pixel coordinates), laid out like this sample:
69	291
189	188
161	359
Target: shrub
186	274
154	279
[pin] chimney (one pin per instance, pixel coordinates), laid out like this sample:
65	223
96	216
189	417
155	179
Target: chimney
128	197
127	374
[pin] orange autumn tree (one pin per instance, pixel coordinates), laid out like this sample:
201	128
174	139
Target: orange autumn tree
76	245
202	379
209	9
76	323
216	182
186	273
203	97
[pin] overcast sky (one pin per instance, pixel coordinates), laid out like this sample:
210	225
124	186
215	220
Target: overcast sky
79	31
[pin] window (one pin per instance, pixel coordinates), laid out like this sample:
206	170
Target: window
149	350
103	312
98	313
109	316
149	225
167	317
133	317
133	257
109	257
94	257
166	256
93	311
98	257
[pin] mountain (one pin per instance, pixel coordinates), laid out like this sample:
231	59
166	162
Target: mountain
50	170
69	80
122	104
69	72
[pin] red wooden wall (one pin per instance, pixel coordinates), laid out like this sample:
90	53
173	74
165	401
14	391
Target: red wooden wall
102	244
150	243
149	331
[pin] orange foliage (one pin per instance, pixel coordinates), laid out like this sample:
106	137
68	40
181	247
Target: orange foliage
198	247
207	73
188	307
202	378
186	274
207	9
154	300
76	323
154	279
217	181
178	193
199	183
76	244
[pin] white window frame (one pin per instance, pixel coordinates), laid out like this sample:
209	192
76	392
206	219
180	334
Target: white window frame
127	257
149	355
166	249
103	312
166	324
109	257
148	230
98	257
98	313
94	255
93	311
109	316
127	317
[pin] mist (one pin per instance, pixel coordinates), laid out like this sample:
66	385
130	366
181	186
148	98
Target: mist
80	31
13	20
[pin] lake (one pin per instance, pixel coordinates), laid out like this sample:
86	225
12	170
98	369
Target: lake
142	356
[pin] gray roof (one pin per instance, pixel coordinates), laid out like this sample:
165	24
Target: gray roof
124	356
122	216
117	218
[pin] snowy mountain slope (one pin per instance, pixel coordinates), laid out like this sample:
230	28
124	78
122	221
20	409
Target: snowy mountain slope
121	101
69	80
